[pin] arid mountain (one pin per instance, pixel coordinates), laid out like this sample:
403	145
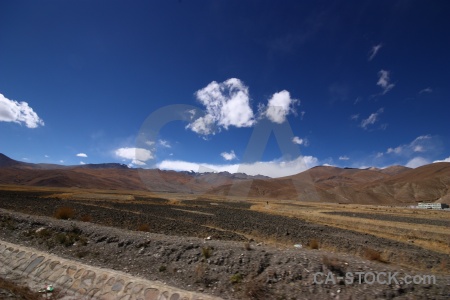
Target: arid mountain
392	185
112	176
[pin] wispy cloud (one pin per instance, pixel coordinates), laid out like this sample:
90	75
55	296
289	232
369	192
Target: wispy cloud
384	81
371	119
138	156
417	162
344	157
300	141
419	152
354	117
227	104
228	155
275	168
82	155
164	144
82	163
18	112
373	52
427	90
280	105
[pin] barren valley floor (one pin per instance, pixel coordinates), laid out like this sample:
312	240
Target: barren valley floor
234	248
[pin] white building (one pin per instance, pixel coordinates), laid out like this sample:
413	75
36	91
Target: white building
432	205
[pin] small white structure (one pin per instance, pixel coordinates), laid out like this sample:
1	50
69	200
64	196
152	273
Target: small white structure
432	205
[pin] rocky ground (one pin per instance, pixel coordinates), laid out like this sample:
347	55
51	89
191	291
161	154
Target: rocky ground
218	248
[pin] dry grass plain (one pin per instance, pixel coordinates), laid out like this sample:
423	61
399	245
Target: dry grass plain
406	227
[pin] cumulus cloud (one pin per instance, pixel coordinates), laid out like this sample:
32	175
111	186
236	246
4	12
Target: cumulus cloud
300	141
275	168
279	107
228	155
384	81
417	162
371	119
82	163
373	52
18	112
138	156
344	157
82	155
227	104
444	160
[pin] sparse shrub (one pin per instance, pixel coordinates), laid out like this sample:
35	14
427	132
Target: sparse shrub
247	246
144	227
313	244
162	268
256	289
372	254
200	273
334	265
81	254
236	278
206	252
64	213
86	218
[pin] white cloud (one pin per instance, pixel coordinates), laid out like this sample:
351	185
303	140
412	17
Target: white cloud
417	162
354	117
426	90
138	156
46	156
396	150
164	144
300	141
82	163
371	119
61	161
302	114
227	104
444	160
280	106
18	112
384	81
344	157
228	156
379	155
149	143
275	168
373	52
82	155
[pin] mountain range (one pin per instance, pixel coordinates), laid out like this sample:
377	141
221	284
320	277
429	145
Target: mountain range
389	186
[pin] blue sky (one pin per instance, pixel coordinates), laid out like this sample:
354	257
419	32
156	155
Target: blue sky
344	83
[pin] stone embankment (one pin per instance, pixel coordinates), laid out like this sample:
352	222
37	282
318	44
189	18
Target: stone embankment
74	280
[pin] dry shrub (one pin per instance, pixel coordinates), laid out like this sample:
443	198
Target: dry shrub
256	289
313	244
21	292
144	227
64	213
206	252
247	246
86	218
333	264
372	254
